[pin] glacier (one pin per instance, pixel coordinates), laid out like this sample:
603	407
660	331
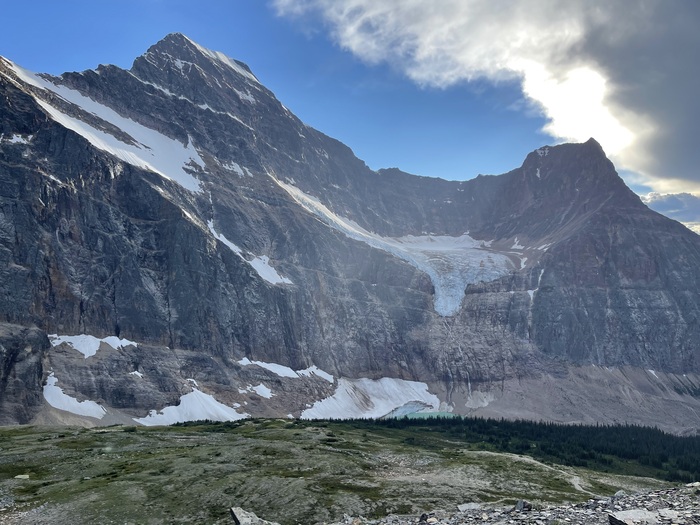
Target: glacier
452	263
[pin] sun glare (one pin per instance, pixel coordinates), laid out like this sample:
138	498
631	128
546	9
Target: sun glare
575	104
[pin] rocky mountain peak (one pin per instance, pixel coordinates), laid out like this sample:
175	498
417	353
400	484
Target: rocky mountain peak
555	191
587	157
178	51
575	172
179	67
180	206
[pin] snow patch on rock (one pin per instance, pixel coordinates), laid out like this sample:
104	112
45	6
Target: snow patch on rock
262	391
88	345
221	237
218	56
316	371
55	397
236	168
371	398
280	370
150	150
16	139
285	371
244	95
260	264
194	406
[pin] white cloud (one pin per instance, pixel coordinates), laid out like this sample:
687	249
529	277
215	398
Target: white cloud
588	117
683	207
572	60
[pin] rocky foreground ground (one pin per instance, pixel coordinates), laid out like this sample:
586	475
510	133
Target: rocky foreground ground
676	506
680	506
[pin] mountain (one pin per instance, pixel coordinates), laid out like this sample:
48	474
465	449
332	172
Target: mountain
175	244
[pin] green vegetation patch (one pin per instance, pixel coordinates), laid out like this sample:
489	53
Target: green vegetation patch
311	471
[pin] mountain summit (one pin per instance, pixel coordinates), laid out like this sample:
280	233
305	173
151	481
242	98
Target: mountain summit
177	245
178	51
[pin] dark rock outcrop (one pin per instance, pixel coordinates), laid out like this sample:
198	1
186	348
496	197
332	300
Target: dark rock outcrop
22	351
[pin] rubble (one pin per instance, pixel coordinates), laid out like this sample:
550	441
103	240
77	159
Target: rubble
676	506
680	506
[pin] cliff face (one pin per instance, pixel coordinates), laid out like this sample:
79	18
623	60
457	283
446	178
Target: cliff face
180	207
21	351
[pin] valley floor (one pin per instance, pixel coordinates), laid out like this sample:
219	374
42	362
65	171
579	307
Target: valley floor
285	471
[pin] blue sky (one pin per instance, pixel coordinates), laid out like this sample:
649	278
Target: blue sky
470	88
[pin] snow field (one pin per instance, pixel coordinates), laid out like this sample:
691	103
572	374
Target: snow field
370	398
151	150
55	397
194	406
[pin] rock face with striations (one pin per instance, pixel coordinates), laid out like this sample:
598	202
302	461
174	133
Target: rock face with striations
180	208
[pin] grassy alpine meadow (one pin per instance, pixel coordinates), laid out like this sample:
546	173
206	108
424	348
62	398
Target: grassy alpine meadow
293	471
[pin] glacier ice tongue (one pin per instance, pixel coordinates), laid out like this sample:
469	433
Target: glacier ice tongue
451	262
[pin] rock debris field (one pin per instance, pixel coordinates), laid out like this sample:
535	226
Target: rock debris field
680	506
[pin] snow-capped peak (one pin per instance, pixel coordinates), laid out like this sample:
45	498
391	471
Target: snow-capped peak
238	67
182	49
